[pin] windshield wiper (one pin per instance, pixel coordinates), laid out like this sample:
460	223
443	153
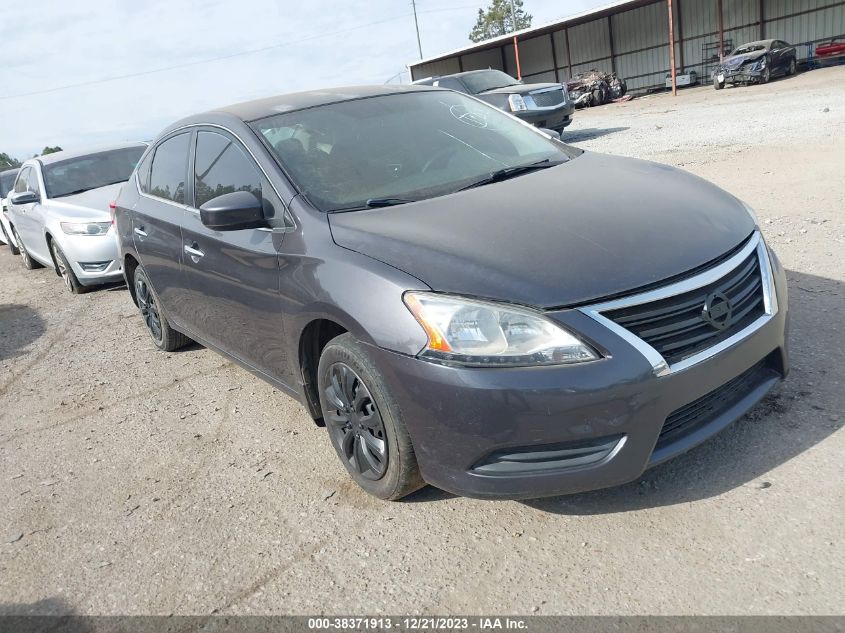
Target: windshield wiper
510	172
72	193
374	203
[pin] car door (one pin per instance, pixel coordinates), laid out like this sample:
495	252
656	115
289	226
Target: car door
27	217
231	278
778	57
157	218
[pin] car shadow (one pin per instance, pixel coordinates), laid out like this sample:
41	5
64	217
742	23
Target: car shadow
798	414
21	326
51	615
588	134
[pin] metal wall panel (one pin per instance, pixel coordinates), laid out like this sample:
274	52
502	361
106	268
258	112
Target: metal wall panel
432	69
644	68
600	64
739	13
780	8
640	28
809	27
698	17
589	41
547	77
560	47
482	59
535	55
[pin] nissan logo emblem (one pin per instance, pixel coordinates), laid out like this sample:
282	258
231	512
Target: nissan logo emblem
717	310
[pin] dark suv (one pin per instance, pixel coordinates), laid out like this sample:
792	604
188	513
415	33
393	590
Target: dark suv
545	105
458	298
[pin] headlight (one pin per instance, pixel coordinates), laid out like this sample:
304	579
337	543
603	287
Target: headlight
517	103
751	213
86	228
486	334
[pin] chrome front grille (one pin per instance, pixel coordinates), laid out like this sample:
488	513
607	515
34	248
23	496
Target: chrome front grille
547	98
682	325
685	322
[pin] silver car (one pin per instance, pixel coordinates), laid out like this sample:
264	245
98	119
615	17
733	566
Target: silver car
59	212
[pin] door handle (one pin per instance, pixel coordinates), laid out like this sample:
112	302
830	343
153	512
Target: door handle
140	231
194	252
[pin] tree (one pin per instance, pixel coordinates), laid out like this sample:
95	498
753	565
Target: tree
50	150
7	162
498	20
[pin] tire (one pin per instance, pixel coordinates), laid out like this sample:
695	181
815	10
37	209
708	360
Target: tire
28	262
358	422
14	249
164	336
792	68
718	85
767	74
65	271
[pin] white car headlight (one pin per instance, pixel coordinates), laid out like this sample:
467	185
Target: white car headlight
86	228
487	334
517	103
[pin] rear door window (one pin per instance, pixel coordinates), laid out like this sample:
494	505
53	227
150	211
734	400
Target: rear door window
222	167
169	167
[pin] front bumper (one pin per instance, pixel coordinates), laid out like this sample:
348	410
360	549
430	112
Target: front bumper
93	258
740	75
544	431
553	119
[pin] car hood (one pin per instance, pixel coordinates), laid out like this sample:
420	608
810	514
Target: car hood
738	60
88	205
522	89
591	228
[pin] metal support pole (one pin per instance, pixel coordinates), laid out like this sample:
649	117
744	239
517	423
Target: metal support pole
516	56
672	69
417	26
721	31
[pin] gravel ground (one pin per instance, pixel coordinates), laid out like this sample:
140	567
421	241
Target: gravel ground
138	482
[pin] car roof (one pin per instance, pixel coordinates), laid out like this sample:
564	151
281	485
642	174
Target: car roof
260	108
55	157
10	171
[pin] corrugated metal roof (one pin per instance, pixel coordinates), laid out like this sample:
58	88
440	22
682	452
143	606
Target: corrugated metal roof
578	18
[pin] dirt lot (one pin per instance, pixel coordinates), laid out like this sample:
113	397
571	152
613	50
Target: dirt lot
133	481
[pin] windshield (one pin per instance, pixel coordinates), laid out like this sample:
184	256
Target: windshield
82	173
488	80
7	181
748	48
407	146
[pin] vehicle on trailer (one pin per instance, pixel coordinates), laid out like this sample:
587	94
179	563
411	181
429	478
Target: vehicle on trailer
545	105
59	212
756	62
595	88
458	298
7	182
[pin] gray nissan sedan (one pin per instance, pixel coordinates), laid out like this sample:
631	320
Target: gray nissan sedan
459	298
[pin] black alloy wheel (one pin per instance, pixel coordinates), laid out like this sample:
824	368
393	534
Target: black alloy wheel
148	307
355	424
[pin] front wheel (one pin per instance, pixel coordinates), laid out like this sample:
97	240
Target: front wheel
718	85
65	271
793	67
164	336
28	262
364	422
765	76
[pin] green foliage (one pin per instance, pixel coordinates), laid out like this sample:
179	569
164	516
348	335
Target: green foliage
50	150
7	162
498	20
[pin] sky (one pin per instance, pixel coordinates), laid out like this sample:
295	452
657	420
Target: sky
89	72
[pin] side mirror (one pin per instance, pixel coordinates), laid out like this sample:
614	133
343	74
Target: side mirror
552	133
233	211
25	197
